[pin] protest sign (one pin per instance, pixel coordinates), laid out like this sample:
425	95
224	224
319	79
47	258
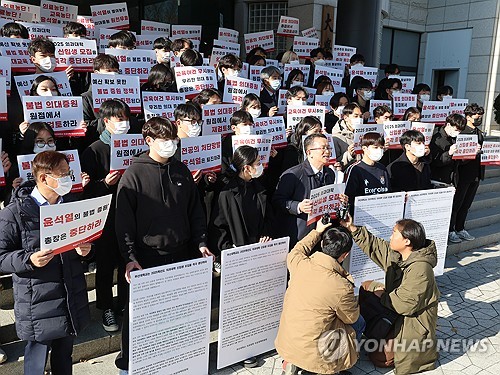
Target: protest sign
169	320
466	146
323	100
152	27
117	86
282	101
236	88
113	16
104	35
310	33
229	47
202	153
407	83
335	75
419	205
295	113
342	55
435	111
273	127
79	53
303	46
39	30
25	162
366	72
89	25
25	82
33	9
368	213
123	148
264	39
146	41
361	129
490	154
216	118
254	73
17	50
3	99
325	200
2	174
228	34
65	226
134	62
192	32
401	102
253	284
161	104
288	27
311	94
58	13
260	142
244	71
15	15
216	55
193	79
63	114
393	130
426	128
374	103
305	69
456	105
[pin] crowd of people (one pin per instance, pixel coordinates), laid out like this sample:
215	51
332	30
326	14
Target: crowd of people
162	213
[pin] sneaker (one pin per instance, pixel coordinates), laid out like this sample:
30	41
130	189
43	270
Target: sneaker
464	235
250	362
109	321
3	356
453	237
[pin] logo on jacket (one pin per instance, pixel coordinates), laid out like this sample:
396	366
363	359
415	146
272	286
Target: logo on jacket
366	182
382	180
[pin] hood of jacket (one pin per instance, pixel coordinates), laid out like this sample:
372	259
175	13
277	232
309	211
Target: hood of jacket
426	254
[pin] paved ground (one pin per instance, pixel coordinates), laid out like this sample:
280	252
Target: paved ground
469	310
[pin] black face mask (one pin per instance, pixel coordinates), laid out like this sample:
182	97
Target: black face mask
478	121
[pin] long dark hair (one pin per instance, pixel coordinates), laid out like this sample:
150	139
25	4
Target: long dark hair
159	77
244	155
40	79
28	143
307	123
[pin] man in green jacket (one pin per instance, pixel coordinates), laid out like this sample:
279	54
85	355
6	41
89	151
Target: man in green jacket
410	290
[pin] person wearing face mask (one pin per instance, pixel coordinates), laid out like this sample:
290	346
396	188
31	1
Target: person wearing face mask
363	89
325	88
289	57
42	55
317	58
296	96
337	103
412	114
269	95
229	66
444	92
163	50
50	299
389	70
295	78
356	61
95	161
251	104
241	124
343	134
159	215
423	92
468	175
80	81
367	176
394	86
411	171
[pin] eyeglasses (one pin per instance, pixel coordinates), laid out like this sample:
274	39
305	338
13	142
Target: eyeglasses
192	121
321	148
69	174
41	144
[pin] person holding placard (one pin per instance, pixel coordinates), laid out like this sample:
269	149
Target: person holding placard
229	66
269	96
411	171
363	89
367	176
325	88
191	57
207	97
317	57
159	215
410	290
257	60
50	293
337	103
319	302
356	60
42	53
95	161
163	49
343	134
469	174
160	79
251	104
289	57
259	51
394	86
291	198
423	92
295	78
80	81
444	92
389	70
241	124
123	39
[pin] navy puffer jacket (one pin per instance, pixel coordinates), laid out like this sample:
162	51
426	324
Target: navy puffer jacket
49	302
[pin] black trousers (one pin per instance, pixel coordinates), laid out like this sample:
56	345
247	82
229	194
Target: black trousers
35	356
107	257
464	196
122	358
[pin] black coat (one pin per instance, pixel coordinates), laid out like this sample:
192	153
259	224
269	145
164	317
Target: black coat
294	186
231	225
471	169
405	177
49	302
268	101
443	167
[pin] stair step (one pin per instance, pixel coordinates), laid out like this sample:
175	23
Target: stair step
484	217
484	236
492	172
486	200
489	184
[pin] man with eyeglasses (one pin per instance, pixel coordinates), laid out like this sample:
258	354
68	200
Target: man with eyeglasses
291	199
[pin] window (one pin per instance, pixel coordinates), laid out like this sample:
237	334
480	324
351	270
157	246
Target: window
400	47
266	16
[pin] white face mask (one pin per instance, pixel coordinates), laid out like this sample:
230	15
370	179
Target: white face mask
231	73
109	73
328	92
339	110
419	150
319	62
296	83
165	56
375	154
64	185
275	84
246	129
446	97
297	102
453	133
37	149
258	171
294	62
122	127
47	93
356	121
166	149
358	65
194	130
255	113
425	98
367	95
47	64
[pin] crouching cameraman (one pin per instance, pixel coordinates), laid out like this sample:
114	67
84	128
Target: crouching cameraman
320	319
